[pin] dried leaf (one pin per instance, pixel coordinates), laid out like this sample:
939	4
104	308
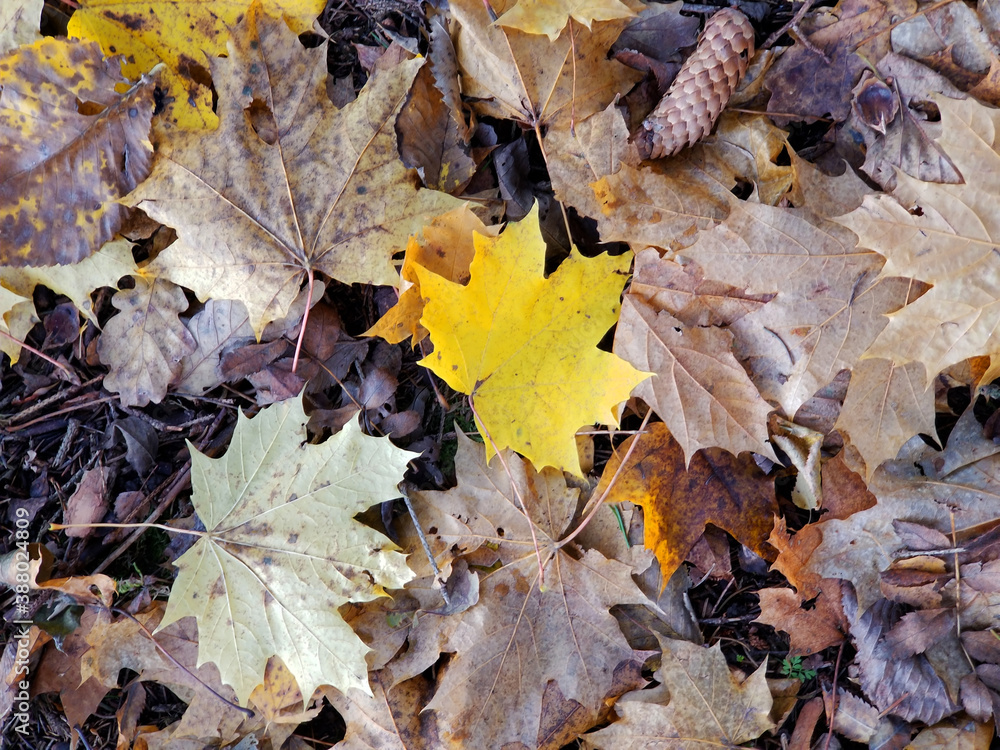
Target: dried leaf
145	343
944	240
718	488
524	77
708	705
254	218
699	389
523	634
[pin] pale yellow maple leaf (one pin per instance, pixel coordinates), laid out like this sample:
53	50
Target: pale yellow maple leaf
945	235
550	17
525	347
282	551
701	704
65	165
267	200
181	33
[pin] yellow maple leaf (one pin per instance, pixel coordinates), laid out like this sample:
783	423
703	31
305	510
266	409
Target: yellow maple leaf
524	347
182	34
549	17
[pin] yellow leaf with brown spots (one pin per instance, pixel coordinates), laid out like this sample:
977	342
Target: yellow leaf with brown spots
183	34
288	185
282	551
72	146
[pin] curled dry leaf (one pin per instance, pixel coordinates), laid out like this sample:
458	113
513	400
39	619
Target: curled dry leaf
74	146
89	501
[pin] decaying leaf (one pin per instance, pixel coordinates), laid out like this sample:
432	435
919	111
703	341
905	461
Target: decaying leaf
184	34
320	189
524	347
73	146
523	633
283	551
708	705
717	487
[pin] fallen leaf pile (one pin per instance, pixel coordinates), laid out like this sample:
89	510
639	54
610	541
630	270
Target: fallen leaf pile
391	382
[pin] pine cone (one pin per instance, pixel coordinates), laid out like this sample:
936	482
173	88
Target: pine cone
702	88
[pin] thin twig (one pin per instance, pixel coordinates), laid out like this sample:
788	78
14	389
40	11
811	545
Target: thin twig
39	354
426	546
833	700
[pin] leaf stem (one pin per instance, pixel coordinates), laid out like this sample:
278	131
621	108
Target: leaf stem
305	319
607	490
164	527
37	353
562	206
517	493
